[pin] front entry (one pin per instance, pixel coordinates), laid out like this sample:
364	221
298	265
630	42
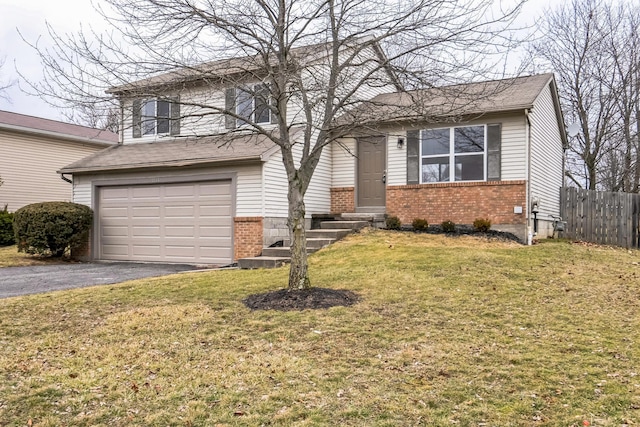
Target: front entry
371	173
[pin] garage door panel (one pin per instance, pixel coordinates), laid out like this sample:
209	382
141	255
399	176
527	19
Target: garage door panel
145	212
186	222
215	189
144	231
179	211
146	192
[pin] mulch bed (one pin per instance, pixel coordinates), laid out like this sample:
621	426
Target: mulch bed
292	300
464	230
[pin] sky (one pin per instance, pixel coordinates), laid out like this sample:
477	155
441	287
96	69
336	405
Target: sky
29	18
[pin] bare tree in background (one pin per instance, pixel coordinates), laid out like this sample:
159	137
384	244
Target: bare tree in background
425	41
4	85
592	46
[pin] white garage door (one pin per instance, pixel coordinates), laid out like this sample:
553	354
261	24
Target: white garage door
185	222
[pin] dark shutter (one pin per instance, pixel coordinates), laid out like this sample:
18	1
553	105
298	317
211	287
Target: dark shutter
494	145
136	118
413	157
175	116
274	109
230	105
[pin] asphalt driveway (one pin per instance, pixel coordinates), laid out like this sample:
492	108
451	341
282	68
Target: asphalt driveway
16	281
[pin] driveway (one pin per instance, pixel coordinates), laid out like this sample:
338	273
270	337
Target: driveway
16	281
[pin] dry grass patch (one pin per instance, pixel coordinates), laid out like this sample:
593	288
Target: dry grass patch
450	331
10	257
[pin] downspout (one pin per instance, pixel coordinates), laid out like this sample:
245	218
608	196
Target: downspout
527	136
64	178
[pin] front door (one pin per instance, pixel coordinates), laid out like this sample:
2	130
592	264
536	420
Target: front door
371	172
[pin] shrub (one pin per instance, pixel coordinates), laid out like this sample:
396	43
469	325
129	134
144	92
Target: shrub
51	227
448	226
482	224
6	228
420	224
393	223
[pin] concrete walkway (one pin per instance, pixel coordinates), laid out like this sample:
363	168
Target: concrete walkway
16	281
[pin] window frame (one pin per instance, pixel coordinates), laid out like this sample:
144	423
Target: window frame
243	94
451	155
150	123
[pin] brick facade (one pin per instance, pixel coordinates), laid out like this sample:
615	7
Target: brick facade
247	236
460	202
343	199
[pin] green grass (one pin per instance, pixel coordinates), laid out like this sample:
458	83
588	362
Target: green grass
450	331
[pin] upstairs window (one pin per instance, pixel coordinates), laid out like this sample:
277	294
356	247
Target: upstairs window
250	103
156	117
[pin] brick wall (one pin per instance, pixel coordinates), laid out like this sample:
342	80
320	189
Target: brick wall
343	200
459	202
247	236
82	252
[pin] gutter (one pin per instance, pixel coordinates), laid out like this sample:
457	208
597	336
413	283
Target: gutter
528	174
57	135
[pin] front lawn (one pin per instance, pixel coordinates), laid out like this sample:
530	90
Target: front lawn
450	331
10	257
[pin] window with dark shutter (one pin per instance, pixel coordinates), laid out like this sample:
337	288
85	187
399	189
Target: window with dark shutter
413	157
494	148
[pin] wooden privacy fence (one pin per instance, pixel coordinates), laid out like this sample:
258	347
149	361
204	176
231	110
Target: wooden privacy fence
601	217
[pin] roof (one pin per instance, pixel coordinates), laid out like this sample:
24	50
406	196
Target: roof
469	99
37	125
235	66
229	148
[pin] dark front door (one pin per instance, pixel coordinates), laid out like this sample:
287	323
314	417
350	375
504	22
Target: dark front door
371	171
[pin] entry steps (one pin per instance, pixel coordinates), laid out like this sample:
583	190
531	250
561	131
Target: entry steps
330	228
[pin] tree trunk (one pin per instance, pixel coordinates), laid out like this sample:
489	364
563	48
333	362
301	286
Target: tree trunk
298	274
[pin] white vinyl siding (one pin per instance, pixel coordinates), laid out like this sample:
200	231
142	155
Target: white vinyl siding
546	155
344	163
248	184
317	198
513	152
28	165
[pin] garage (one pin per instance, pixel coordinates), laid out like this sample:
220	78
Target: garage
176	223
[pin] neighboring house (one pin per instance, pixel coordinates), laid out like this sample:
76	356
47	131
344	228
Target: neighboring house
33	149
184	185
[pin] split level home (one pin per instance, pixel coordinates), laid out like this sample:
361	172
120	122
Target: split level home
185	184
33	149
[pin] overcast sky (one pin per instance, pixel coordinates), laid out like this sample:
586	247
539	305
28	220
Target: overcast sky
66	16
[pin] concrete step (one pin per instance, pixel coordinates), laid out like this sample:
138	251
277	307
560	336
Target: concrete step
357	216
262	262
312	242
284	251
353	225
327	233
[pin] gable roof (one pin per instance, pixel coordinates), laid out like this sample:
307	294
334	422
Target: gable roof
448	102
235	66
230	148
52	128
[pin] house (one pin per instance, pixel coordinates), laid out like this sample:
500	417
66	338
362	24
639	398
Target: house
186	184
482	150
33	149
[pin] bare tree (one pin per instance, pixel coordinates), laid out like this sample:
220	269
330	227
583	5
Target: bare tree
593	47
4	85
322	56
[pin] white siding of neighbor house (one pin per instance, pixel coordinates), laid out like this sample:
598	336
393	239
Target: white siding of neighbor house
248	184
513	164
28	165
546	155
